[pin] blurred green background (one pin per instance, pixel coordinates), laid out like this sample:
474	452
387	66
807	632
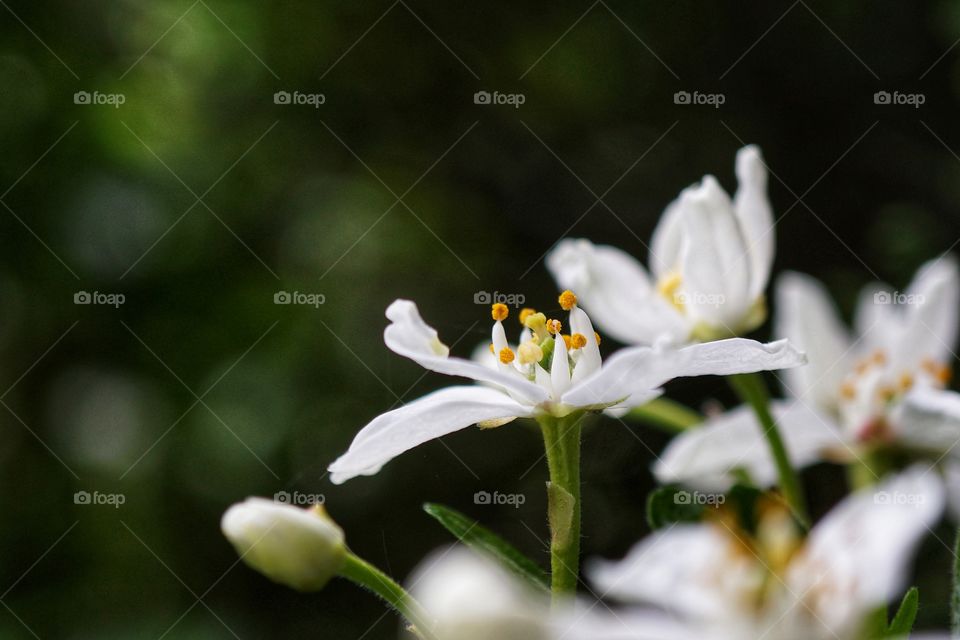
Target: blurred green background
200	197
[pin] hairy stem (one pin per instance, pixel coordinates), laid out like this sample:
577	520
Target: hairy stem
561	437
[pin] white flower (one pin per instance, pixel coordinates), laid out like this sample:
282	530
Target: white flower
543	376
882	388
726	583
300	548
710	261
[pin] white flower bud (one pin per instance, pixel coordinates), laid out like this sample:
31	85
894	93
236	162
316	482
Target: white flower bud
300	548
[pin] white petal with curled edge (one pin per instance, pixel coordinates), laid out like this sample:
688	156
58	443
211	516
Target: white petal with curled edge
434	415
682	569
737	355
858	557
716	263
929	419
706	456
632	372
755	215
807	318
617	292
409	336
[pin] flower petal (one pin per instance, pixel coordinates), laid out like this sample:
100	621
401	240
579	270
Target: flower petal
409	336
930	317
738	355
426	418
679	569
807	317
862	548
755	215
617	292
929	419
706	457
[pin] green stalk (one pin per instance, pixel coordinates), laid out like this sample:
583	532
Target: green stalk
752	390
666	414
561	437
364	574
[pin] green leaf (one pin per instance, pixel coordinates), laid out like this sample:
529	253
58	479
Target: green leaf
480	538
560	511
670	504
903	622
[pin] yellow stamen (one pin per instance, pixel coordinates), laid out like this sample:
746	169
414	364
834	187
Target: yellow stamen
554	326
944	374
597	336
526	313
529	353
567	341
578	340
906	381
567	299
848	391
499	311
506	355
667	287
879	357
492	350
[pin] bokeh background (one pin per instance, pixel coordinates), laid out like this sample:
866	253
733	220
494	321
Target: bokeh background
199	198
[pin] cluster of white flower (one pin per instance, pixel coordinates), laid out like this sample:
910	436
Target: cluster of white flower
748	566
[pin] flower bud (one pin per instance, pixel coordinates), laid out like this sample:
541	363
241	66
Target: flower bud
300	548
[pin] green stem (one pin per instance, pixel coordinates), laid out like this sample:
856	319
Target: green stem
752	390
364	574
561	437
955	596
666	414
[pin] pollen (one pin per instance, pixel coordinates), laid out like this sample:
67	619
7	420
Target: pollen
879	357
567	299
940	372
848	391
525	313
668	287
596	336
506	355
554	326
492	350
906	381
499	311
567	341
578	340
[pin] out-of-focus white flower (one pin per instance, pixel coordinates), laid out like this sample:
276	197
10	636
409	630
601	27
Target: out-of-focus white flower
300	548
710	261
544	375
882	387
726	583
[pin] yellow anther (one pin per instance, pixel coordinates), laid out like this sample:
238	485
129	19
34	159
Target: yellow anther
848	391
506	355
499	311
529	353
492	350
906	381
567	299
862	367
879	357
567	341
668	286
578	341
940	372
554	326
526	313
597	337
